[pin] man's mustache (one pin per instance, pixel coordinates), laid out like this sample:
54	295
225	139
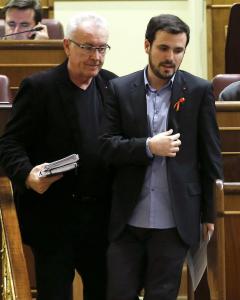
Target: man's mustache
167	63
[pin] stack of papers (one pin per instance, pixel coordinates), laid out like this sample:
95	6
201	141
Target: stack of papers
60	166
197	260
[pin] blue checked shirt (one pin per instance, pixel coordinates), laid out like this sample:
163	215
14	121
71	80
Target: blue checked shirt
154	206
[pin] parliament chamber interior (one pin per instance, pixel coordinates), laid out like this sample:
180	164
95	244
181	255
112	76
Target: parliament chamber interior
19	59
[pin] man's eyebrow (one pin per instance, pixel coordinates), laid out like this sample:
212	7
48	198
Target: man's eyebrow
15	23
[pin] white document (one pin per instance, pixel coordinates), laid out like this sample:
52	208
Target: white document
197	261
60	166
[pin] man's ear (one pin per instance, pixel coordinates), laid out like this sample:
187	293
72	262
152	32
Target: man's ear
66	46
147	46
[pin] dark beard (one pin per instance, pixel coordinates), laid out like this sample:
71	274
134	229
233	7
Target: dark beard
157	73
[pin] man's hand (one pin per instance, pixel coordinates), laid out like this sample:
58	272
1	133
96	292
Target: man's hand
165	144
40	184
208	229
42	34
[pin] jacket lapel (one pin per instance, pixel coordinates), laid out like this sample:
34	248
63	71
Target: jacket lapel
178	99
139	105
102	86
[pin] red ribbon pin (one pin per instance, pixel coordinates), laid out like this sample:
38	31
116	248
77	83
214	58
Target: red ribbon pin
178	104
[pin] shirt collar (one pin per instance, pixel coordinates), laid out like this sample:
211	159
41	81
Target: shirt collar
150	88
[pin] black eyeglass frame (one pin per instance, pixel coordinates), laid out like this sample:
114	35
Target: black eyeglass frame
90	48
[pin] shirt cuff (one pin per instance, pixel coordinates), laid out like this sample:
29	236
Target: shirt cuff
148	151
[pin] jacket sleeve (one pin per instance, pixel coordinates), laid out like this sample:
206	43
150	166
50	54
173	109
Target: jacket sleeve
20	133
118	143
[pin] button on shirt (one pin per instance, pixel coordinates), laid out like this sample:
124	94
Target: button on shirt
153	209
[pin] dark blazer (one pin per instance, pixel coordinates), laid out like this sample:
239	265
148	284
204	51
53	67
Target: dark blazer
191	173
44	127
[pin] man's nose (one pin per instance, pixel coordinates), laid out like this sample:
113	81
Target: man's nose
170	54
17	28
96	54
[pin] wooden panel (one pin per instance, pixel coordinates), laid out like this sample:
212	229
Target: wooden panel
20	59
220	2
31	52
231	119
230	139
219	23
232	242
230	165
16	73
47	8
216	250
15	261
31	267
232	202
45	2
232	233
228	118
217	19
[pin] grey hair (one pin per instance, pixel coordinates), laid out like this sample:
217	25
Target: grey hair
86	17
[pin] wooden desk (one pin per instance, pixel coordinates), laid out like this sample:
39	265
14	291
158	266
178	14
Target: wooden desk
224	254
19	59
223	251
228	117
14	278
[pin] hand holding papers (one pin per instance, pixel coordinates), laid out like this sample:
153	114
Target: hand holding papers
197	260
60	166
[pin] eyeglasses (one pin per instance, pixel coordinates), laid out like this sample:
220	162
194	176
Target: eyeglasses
89	49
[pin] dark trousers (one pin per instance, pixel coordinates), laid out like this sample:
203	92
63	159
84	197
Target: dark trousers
84	249
145	258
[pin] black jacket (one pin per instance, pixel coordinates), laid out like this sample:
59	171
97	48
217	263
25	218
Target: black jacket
191	174
44	127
